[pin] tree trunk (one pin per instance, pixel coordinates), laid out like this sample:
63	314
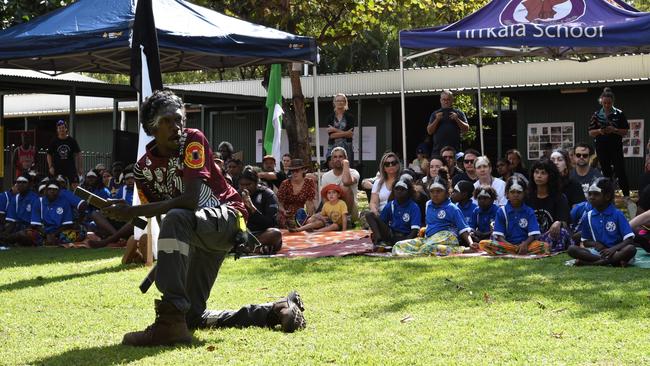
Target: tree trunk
297	130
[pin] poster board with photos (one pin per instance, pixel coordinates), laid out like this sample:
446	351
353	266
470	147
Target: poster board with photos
557	134
633	141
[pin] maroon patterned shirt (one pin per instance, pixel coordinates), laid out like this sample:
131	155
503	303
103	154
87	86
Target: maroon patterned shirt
161	178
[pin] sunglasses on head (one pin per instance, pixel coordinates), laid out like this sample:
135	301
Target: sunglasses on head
468	161
390	163
582	155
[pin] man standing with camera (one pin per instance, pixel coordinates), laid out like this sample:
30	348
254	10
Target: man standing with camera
446	124
203	217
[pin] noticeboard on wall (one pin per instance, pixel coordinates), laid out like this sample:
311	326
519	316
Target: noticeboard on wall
549	136
633	141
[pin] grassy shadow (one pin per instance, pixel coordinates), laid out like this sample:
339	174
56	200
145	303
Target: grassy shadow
20	257
42	281
108	355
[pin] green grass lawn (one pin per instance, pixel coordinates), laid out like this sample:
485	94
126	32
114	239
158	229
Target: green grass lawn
71	307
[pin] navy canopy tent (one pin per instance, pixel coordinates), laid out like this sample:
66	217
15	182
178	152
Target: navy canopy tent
555	28
93	36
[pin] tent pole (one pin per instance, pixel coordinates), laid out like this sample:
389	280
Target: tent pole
401	95
499	126
316	123
480	107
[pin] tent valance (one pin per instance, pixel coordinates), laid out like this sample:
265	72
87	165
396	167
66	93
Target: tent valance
93	36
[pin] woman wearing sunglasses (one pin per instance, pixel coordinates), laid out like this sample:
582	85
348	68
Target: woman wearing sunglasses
390	168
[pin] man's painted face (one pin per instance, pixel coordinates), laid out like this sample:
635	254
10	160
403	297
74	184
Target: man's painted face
170	123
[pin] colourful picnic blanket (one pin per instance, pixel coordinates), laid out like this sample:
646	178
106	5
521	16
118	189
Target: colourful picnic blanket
329	244
473	255
641	259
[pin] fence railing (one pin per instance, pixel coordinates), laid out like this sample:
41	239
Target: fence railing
89	159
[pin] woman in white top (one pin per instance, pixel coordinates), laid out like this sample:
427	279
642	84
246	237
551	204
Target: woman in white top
390	168
485	178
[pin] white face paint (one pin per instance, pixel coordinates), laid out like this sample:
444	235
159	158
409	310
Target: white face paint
558	160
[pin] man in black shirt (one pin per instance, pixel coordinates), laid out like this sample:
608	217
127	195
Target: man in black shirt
269	176
64	155
446	124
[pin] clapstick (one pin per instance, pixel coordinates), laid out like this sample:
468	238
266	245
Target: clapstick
100	203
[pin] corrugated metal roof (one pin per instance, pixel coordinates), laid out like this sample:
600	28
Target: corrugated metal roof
45	75
509	75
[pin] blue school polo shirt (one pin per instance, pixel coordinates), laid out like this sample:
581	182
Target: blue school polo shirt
608	227
20	207
577	214
52	215
5	198
447	216
401	218
515	224
125	193
467	209
482	220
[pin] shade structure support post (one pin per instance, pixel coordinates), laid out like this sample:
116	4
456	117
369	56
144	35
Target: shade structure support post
480	107
499	127
316	122
402	103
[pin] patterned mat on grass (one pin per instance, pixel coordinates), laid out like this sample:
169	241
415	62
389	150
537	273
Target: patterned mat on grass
329	244
472	255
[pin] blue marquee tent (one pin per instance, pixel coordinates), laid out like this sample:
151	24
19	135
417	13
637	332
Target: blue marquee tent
94	36
514	28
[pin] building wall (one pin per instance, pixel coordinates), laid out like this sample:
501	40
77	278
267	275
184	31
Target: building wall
545	106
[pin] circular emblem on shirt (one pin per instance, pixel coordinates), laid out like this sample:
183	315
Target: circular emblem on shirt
610	226
406	217
59	210
442	214
194	155
28	208
523	223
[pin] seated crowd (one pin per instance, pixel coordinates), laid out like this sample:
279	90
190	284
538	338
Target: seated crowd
431	207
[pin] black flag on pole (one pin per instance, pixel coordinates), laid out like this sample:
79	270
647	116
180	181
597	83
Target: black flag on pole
145	60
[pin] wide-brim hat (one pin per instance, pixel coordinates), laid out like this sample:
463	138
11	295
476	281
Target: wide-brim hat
331	187
296	164
268	157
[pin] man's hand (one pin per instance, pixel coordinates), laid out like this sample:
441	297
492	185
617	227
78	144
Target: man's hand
453	116
346	164
246	198
610	129
438	117
118	211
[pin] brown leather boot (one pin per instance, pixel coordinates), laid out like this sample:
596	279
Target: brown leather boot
168	329
288	313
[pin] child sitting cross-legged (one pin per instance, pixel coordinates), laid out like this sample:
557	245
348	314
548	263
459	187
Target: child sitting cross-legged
399	220
607	238
333	216
515	227
482	219
445	223
462	197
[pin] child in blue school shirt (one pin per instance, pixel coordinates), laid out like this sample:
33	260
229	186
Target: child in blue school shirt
399	220
482	220
515	228
5	198
445	223
607	238
576	216
125	191
19	229
54	214
461	196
